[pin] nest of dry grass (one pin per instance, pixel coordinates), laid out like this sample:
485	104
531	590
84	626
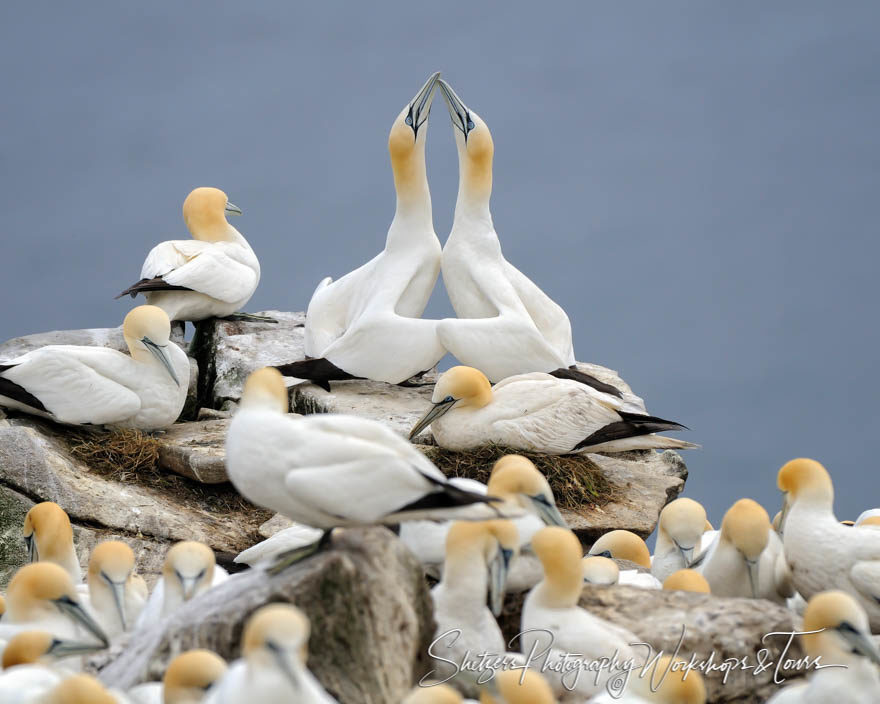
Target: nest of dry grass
577	482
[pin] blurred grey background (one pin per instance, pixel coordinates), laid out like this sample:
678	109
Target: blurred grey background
694	182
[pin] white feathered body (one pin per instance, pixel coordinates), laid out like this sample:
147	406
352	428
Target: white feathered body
158	605
266	685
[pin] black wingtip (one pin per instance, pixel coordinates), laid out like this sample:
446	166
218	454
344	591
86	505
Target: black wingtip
10	389
575	374
318	371
146	285
632	425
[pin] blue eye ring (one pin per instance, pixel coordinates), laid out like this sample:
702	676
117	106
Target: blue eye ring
470	125
409	120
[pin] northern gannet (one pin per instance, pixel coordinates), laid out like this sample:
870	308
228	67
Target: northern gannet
326	470
625	545
101	386
518	687
600	571
117	595
187	679
842	638
49	538
666	682
679	533
367	324
871	517
536	413
78	689
551	611
506	325
822	553
273	665
212	275
687	580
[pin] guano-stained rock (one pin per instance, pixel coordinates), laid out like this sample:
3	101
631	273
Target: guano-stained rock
195	450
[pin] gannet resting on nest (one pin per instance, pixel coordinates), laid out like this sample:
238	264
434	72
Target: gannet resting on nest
48	536
99	386
212	275
273	664
536	413
188	680
327	470
844	640
822	553
367	324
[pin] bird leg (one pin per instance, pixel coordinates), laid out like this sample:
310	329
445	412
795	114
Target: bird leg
291	557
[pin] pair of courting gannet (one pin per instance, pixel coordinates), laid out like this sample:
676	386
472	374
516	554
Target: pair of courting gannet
100	386
536	412
367	324
212	275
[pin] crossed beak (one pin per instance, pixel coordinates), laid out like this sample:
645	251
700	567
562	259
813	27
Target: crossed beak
498	570
31	543
232	209
420	105
457	110
159	353
547	511
74	610
434	412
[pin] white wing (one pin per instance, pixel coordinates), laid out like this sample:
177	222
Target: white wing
216	273
295	536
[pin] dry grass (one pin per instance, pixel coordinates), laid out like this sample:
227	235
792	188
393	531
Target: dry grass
577	482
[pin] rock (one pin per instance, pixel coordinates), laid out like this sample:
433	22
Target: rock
366	598
729	628
13	553
275	525
195	450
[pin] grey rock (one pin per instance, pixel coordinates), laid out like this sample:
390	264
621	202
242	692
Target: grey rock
195	450
275	525
13	554
367	601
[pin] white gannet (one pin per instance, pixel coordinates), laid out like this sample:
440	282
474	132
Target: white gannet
273	665
41	596
518	687
78	689
116	594
822	553
687	580
871	517
836	629
212	275
327	470
49	538
625	545
190	569
536	413
367	324
668	681
600	571
553	621
187	679
506	325
101	386
679	532
478	557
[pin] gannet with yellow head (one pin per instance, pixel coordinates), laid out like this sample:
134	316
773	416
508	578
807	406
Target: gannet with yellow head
367	324
101	386
600	571
518	687
273	665
625	545
687	580
212	275
871	517
78	689
668	681
536	413
679	533
115	593
822	553
187	680
290	464
49	537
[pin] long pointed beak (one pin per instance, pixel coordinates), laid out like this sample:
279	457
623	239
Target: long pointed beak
160	354
781	529
860	642
457	110
68	648
189	587
434	412
118	589
547	511
232	209
420	105
31	542
78	614
687	554
498	569
753	576
283	662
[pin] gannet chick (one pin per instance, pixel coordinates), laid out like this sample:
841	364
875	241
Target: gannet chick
273	666
535	413
687	580
41	596
600	571
822	553
115	596
367	324
624	545
551	611
212	275
516	687
666	682
478	557
187	679
49	537
289	465
101	386
844	638
679	531
78	689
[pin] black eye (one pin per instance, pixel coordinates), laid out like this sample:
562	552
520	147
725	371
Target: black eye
200	574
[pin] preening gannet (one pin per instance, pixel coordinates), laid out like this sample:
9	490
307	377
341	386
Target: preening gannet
49	537
273	665
78	689
600	571
326	470
518	687
679	532
687	580
822	553
116	594
668	681
842	638
101	386
212	275
536	413
187	679
624	545
551	611
506	325
367	324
